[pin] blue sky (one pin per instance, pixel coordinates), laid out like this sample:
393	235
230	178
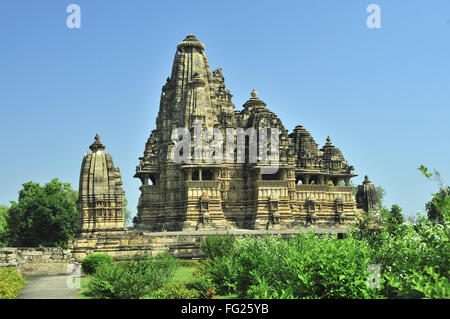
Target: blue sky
383	95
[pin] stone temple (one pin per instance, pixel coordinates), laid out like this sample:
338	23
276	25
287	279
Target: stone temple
182	202
311	185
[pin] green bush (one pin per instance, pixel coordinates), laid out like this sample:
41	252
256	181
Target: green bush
204	287
11	282
133	277
91	262
222	273
217	246
304	266
414	260
175	290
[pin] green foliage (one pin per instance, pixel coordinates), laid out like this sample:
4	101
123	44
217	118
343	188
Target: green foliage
4	225
91	262
11	282
424	171
414	259
219	263
132	278
217	246
381	192
222	273
43	216
175	290
204	287
200	271
394	221
438	208
304	266
438	205
413	256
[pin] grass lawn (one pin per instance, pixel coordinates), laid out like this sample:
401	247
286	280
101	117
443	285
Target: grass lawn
183	274
185	270
84	283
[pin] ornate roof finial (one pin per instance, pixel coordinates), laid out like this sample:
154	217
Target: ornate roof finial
254	101
97	145
191	41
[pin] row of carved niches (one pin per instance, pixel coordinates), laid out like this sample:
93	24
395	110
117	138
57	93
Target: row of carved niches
321	179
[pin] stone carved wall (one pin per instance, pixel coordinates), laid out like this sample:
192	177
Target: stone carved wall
37	261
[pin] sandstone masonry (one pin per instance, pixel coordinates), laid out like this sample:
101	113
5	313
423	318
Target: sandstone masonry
37	261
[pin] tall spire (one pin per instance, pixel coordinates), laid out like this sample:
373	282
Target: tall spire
189	94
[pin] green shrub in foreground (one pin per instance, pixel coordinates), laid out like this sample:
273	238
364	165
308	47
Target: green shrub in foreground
11	282
303	266
132	278
204	287
91	262
175	290
217	246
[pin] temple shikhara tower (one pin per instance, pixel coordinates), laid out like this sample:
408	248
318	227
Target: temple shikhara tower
310	187
100	194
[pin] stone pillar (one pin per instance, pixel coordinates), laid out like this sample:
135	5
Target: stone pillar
321	180
347	181
307	179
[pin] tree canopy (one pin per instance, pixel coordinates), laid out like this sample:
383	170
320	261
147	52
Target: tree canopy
433	207
3	225
43	215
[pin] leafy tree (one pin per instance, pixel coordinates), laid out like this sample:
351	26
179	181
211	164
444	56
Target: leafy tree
381	192
3	225
438	209
396	215
43	215
432	207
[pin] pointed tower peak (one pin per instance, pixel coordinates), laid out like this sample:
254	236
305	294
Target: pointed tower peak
97	145
366	180
192	42
191	37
